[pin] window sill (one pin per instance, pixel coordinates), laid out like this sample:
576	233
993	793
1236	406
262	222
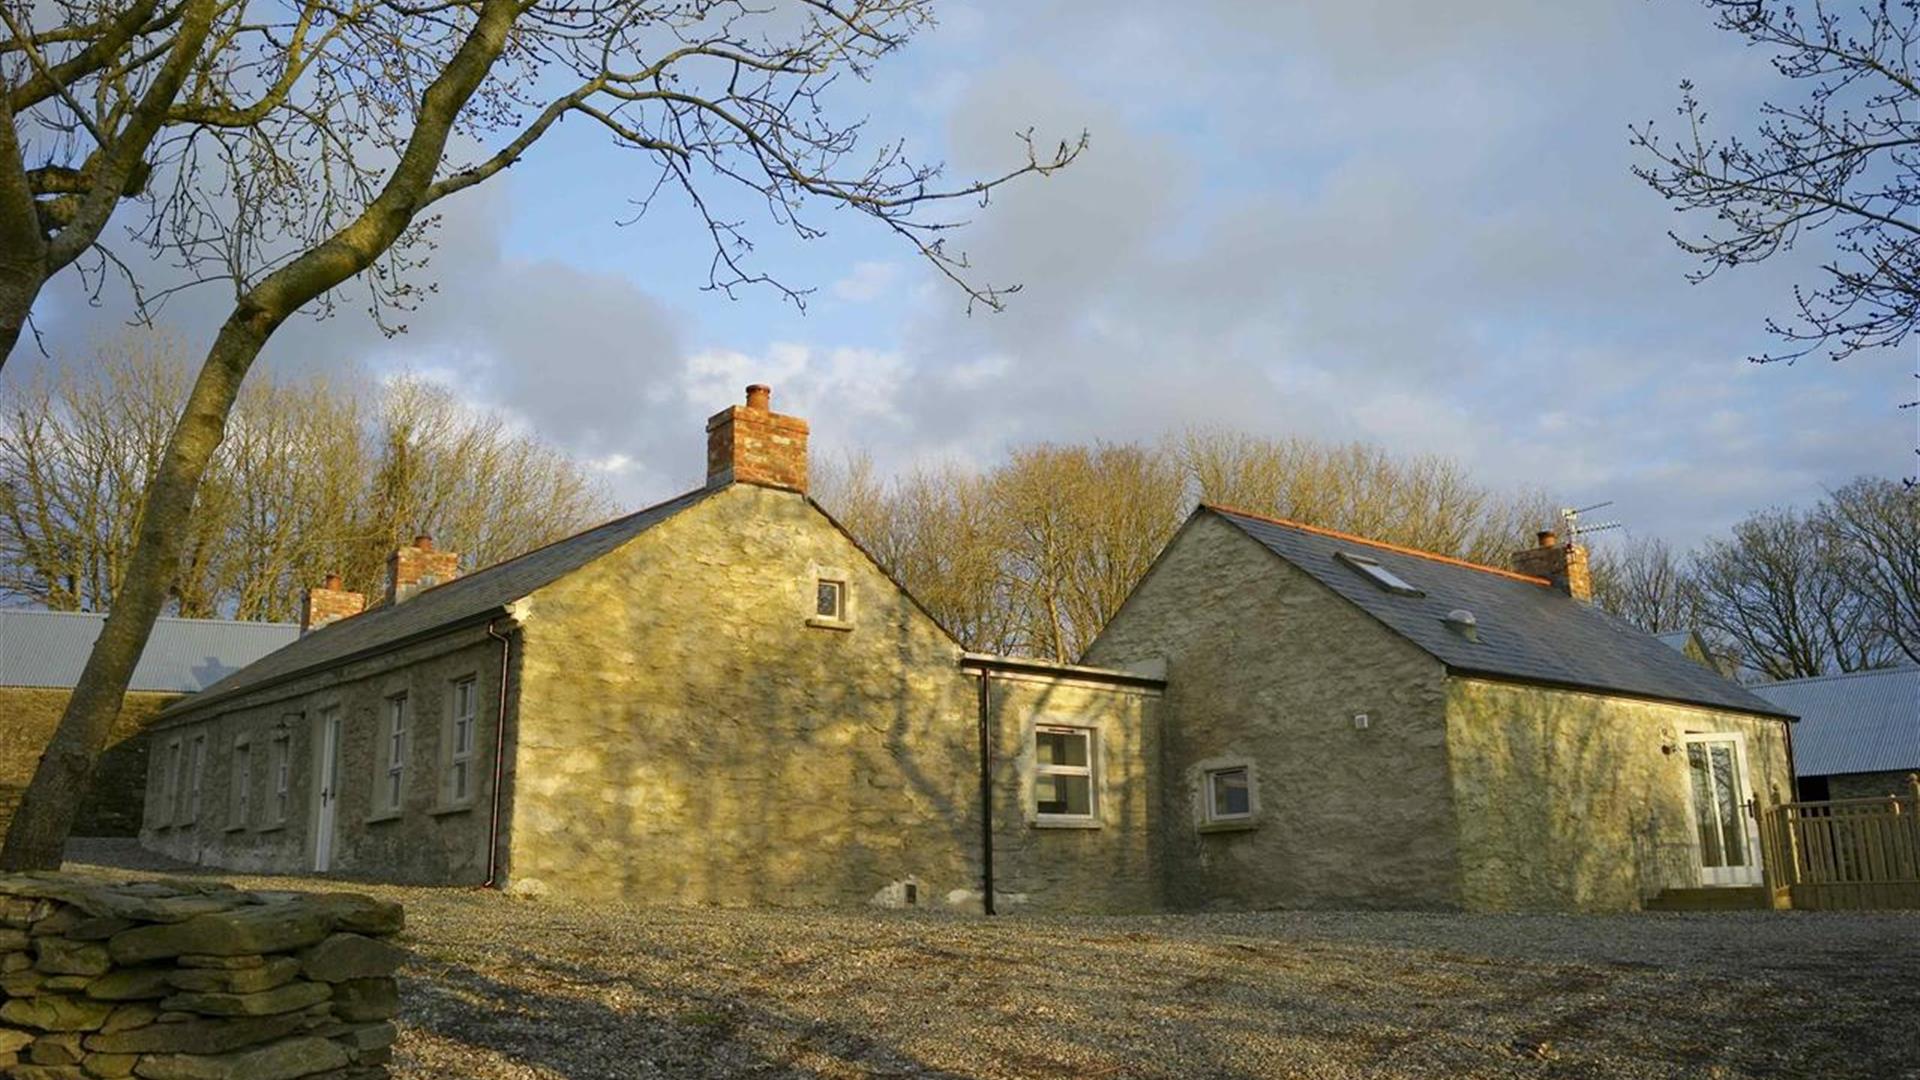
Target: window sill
1064	823
820	622
451	808
275	827
235	828
383	815
1230	826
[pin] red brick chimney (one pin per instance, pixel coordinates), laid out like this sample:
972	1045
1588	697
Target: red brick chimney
329	603
1563	564
752	444
417	566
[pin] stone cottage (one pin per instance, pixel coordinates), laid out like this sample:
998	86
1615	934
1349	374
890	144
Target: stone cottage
1349	723
719	699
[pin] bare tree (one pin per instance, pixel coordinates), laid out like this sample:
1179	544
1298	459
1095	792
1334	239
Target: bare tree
1840	159
298	489
1779	590
1427	502
1646	584
1875	523
710	91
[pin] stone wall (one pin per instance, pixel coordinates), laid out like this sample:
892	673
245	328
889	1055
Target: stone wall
1578	801
28	716
1267	669
692	732
1109	865
431	839
193	981
1870	785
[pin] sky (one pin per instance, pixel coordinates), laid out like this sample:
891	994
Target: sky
1391	220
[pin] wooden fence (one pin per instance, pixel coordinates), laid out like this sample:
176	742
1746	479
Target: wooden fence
1845	853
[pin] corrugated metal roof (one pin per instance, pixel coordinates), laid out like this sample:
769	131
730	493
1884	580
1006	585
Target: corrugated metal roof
1868	721
49	648
469	597
1527	630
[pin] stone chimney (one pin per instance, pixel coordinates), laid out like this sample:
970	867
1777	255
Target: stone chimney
329	603
417	566
752	444
1563	564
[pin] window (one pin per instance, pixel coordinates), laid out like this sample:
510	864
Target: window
280	771
830	600
390	785
460	745
1063	773
196	777
1379	574
170	783
240	785
1229	794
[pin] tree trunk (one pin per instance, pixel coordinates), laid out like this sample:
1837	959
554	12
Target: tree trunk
23	249
38	834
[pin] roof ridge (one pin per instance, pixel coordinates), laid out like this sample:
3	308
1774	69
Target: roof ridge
1382	544
101	615
1898	669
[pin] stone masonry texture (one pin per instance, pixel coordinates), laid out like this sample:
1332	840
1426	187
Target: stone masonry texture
1267	669
28	716
174	980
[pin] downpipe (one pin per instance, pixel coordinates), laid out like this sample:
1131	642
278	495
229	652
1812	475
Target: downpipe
499	759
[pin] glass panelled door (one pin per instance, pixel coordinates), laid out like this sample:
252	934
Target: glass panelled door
1727	835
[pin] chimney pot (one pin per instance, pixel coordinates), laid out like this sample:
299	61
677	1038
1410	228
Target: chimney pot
1565	565
760	397
1547	538
333	582
423	541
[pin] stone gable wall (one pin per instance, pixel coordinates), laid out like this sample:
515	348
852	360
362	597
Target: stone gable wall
691	732
28	716
1266	669
193	980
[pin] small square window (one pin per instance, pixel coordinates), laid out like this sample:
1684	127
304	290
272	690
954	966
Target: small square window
830	600
1229	794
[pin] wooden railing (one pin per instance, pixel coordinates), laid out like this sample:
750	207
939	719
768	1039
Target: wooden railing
1845	853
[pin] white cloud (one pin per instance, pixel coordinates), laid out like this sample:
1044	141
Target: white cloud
867	282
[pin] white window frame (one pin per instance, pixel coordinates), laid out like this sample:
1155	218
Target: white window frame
396	739
280	776
459	784
1091	770
1209	803
196	779
842	618
240	783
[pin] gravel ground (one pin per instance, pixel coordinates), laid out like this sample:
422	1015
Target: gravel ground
500	988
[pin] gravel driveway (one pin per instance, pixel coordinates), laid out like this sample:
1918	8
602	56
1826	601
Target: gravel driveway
503	988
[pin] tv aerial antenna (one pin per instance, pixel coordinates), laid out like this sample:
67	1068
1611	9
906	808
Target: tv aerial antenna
1577	528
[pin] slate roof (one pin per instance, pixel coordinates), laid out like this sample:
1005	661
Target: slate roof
1868	721
49	649
1528	630
476	596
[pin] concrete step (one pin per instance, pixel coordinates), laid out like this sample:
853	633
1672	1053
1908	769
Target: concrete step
1726	898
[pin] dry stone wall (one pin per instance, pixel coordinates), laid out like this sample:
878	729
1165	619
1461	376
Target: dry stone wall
170	980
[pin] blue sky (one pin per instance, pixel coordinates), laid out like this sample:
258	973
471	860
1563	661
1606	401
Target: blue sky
1406	222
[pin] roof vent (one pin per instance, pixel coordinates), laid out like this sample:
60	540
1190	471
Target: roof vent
1462	622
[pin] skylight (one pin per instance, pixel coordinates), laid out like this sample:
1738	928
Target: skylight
1378	574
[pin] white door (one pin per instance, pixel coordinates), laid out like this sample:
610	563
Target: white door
326	780
1726	834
